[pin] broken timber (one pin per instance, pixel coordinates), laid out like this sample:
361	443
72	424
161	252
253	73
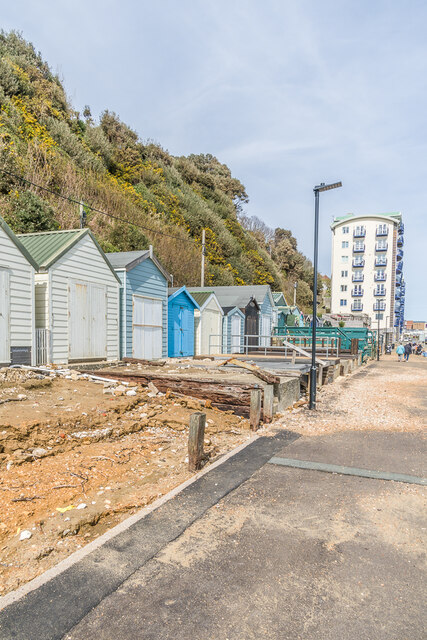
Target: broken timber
263	375
227	396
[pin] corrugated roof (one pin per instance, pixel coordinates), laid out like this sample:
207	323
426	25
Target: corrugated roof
277	295
47	246
236	296
121	259
200	296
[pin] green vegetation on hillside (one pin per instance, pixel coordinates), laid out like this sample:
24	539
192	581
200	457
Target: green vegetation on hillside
105	164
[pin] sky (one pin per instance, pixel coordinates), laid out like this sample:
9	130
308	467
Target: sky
287	93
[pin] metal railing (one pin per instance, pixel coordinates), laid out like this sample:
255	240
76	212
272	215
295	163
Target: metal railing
262	344
42	346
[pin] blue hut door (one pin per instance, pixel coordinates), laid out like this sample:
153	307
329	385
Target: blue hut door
181	314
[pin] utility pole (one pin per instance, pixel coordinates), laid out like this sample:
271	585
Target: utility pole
82	215
378	345
295	293
202	279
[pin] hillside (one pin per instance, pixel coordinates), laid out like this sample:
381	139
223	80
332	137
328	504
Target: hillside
105	164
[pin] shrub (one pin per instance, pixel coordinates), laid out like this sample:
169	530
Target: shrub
30	214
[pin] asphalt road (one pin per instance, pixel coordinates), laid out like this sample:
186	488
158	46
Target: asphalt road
255	550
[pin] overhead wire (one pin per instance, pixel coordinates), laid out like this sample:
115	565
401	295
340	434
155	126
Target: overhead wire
87	206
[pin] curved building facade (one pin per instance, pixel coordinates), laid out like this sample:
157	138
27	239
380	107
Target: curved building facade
367	269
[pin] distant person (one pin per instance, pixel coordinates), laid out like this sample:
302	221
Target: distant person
400	351
408	351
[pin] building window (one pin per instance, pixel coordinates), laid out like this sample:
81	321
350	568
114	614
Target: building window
344	244
344	258
346	229
344	274
343	303
343	287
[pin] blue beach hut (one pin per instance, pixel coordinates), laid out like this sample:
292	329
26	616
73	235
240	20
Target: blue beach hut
143	304
181	306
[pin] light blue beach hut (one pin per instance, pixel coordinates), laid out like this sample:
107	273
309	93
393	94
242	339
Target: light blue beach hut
143	304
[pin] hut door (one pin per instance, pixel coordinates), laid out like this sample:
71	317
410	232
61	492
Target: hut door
4	317
252	324
266	330
87	321
147	327
236	332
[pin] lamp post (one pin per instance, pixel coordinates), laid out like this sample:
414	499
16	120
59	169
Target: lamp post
380	308
295	293
321	187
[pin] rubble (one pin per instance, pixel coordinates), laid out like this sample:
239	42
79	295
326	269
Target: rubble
68	444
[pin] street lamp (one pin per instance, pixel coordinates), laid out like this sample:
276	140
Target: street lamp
380	308
321	187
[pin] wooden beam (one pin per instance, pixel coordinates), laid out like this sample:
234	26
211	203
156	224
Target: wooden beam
196	438
255	414
267	409
270	378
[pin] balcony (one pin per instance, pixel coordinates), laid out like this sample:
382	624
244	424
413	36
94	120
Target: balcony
359	247
379	306
358	277
380	277
382	231
397	296
401	228
399	267
357	306
379	293
399	255
359	232
381	246
400	241
381	261
357	293
358	262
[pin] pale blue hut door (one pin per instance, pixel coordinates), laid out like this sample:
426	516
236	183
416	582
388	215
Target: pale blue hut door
147	330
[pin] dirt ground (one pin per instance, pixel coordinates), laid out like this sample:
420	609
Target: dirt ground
386	395
77	457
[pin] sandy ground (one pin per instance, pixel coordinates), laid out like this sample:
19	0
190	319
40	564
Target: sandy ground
386	395
76	460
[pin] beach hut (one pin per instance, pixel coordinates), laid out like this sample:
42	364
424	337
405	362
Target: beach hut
181	307
143	304
256	302
280	312
233	332
76	296
17	317
207	323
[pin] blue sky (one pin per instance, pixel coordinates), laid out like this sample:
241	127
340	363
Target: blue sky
287	93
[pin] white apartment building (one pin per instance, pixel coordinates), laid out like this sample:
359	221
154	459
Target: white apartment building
367	268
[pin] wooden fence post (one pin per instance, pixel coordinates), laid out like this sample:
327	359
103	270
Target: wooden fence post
255	413
268	403
196	438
